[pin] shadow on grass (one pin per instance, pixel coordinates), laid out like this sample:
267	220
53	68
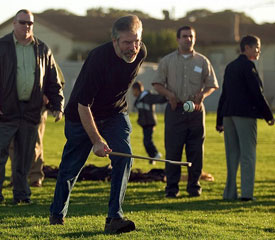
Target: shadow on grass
203	205
89	199
75	235
88	206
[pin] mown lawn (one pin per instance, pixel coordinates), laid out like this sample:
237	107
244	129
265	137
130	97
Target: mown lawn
206	217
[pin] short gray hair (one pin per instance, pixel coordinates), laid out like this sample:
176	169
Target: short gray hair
130	23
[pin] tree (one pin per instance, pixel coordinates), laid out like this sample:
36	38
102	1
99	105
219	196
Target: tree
57	12
198	13
159	43
166	14
114	13
96	12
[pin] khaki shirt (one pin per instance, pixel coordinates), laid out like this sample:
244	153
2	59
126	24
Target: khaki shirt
25	74
185	77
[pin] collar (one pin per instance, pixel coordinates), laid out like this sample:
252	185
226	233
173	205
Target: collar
143	94
16	41
192	54
242	55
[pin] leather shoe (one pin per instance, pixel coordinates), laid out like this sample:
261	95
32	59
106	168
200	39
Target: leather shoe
172	195
10	184
24	201
195	193
247	199
56	221
37	183
119	225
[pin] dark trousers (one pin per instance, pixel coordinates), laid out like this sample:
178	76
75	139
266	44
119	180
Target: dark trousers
184	130
36	171
24	135
148	141
116	131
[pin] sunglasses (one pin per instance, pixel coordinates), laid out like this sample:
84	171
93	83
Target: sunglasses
23	22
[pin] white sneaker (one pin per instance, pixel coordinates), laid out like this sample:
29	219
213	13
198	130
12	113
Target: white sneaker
152	162
158	155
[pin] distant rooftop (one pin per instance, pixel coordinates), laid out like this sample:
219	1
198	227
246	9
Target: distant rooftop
214	28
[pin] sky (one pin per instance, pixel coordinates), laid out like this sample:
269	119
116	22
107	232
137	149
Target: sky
260	10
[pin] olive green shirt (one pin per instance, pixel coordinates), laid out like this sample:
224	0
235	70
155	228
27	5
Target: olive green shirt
25	74
185	77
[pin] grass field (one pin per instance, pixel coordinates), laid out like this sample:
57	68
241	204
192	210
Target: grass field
206	217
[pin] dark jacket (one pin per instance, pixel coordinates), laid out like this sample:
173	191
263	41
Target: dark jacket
242	92
145	104
46	82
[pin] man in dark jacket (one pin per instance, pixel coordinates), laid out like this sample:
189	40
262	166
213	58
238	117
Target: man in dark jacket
27	75
241	103
145	104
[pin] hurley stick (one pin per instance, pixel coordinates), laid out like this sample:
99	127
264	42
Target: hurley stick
188	164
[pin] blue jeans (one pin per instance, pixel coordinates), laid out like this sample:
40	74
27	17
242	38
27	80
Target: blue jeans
116	131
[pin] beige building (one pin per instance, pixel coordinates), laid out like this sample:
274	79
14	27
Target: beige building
60	42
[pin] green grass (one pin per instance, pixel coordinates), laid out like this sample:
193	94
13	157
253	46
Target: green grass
206	217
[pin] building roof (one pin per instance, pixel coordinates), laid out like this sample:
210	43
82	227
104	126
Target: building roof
217	28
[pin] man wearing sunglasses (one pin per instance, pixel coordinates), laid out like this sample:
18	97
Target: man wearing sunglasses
28	79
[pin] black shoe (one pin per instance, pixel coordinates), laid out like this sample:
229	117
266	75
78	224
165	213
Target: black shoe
247	199
172	195
195	193
119	225
10	184
24	201
56	221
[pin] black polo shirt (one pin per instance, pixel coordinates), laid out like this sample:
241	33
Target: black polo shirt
103	83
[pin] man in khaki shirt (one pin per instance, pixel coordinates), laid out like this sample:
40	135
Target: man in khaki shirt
185	75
